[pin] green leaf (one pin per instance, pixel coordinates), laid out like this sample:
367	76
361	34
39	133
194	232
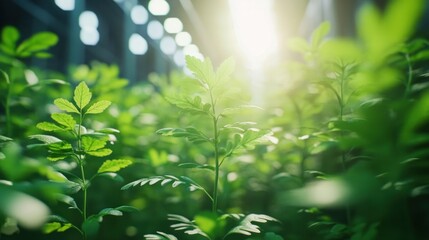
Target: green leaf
196	165
166	179
100	152
110	211
210	224
190	105
65	105
4	77
67	200
381	32
186	225
192	134
126	208
9	36
114	176
91	225
37	42
298	45
51	227
225	70
5	139
92	144
159	236
43	55
319	34
247	225
203	70
46	138
108	130
64	119
98	107
114	165
49	127
82	95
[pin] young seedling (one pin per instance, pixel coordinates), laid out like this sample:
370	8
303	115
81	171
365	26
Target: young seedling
78	144
212	91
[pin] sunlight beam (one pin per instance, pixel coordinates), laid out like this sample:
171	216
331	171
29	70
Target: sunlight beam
254	28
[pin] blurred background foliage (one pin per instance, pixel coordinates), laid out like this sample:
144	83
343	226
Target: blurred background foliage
351	116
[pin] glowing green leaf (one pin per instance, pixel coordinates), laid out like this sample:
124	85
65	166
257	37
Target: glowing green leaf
100	152
98	107
82	95
114	165
319	34
92	144
49	127
38	42
9	36
64	119
65	105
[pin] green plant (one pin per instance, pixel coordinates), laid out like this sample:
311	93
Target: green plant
78	144
210	100
11	55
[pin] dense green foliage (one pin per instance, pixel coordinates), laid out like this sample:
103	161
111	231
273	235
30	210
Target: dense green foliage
337	151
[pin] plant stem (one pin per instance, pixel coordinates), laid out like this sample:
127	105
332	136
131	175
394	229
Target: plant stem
343	155
7	106
84	189
216	180
216	153
410	75
82	170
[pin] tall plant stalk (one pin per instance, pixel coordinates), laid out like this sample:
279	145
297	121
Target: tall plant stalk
216	153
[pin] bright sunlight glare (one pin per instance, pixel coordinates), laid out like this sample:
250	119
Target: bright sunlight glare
159	7
155	30
137	44
183	39
173	25
66	5
254	28
168	45
139	15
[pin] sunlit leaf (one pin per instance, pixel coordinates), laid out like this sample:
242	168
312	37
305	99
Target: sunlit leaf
247	225
225	70
203	70
100	152
10	36
92	144
98	107
114	165
4	76
192	134
65	105
49	127
82	95
46	138
5	139
186	225
37	42
64	119
166	179
159	236
319	34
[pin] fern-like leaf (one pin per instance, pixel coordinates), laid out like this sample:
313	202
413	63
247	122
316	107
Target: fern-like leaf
159	236
247	224
186	225
163	180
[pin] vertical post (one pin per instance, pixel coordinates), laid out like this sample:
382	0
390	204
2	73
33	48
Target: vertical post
129	60
76	51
